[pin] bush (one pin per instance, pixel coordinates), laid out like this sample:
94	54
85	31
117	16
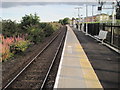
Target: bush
56	26
29	20
64	21
35	34
6	54
50	28
5	44
19	46
42	25
9	28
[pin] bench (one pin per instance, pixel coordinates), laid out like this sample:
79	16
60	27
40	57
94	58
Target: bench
102	35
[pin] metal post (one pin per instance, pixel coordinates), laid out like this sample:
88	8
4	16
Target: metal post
78	19
113	22
86	20
92	11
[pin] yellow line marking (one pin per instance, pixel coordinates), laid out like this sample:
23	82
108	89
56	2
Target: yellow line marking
89	75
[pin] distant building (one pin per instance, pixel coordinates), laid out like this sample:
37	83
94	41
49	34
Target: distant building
98	17
90	19
102	17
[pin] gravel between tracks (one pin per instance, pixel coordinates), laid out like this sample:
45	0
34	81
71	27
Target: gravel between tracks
52	75
34	75
11	67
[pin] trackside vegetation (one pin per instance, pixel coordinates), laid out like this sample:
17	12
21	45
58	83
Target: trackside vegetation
17	37
64	21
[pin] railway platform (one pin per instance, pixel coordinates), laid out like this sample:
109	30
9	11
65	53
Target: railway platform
75	70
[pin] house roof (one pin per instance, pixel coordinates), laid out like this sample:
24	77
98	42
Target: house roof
97	15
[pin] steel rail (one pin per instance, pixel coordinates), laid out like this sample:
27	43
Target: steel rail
9	83
51	65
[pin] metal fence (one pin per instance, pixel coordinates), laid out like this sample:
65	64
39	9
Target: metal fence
113	36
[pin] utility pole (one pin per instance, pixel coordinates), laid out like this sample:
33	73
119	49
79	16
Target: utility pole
78	17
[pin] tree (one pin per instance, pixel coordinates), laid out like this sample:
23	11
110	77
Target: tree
61	21
66	21
35	34
29	20
73	18
9	28
49	29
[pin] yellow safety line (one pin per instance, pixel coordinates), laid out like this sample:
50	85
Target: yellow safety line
90	77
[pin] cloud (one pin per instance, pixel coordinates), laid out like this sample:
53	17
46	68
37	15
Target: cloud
49	0
58	0
15	4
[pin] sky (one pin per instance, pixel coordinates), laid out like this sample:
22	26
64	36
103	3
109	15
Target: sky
55	0
48	10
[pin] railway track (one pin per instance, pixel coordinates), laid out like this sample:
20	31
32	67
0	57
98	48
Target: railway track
35	74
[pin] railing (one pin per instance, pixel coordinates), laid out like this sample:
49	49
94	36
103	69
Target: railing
113	36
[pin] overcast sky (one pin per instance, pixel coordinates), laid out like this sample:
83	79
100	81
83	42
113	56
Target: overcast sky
50	0
56	0
48	10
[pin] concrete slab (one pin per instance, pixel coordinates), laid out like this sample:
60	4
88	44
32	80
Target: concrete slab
75	70
104	61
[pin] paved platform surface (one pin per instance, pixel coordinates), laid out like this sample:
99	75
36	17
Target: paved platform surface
105	61
75	70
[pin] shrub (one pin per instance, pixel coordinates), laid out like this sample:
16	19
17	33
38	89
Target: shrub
42	25
35	34
9	28
29	20
19	46
50	28
56	26
5	51
64	21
